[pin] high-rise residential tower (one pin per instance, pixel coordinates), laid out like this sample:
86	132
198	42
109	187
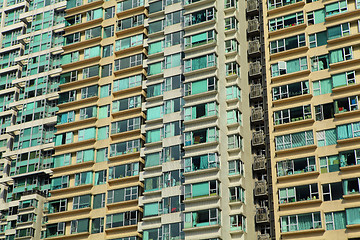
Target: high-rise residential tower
31	41
312	56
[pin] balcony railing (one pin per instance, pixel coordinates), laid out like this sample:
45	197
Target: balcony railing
260	188
256	91
253	25
258	138
255	68
252	5
259	162
262	215
257	114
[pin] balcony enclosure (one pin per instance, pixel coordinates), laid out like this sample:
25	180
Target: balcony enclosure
290	90
196	163
202	218
201	136
350	158
298	193
346	104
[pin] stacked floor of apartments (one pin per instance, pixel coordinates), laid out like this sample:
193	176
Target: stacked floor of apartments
312	50
31	41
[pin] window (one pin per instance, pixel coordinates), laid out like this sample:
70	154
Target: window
298	193
83	178
335	8
237	194
126	103
122	194
234	116
342	54
318	39
324	111
122	219
201	218
60	182
201	136
315	17
85	156
70	58
83	201
294	140
154	135
128	42
235	141
108	51
125	125
233	92
153	159
155	112
130	22
90	72
173	39
88	92
103	133
69	77
100	177
125	170
156	47
323	86
85	134
99	201
173	18
66	117
332	191
121	148
104	111
67	97
196	190
56	229
172	153
200	39
350	158
156	6
94	14
236	167
57	206
300	222
172	178
128	62
231	3
272	4
338	31
173	105
292	115
237	222
109	12
351	186
105	90
295	65
290	90
352	216
172	83
199	17
88	112
346	104
155	27
97	225
172	61
155	68
92	52
350	130
329	164
200	86
172	129
210	160
129	4
287	43
125	83
343	79
231	45
108	31
286	21
102	155
78	226
153	183
231	23
335	220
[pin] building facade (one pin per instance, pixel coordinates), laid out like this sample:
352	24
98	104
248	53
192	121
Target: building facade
312	59
30	53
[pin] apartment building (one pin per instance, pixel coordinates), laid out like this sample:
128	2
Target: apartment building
31	40
312	54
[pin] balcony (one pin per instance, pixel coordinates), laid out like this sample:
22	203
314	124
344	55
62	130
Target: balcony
257	114
260	188
259	163
253	26
258	138
263	237
252	6
256	91
262	215
255	69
